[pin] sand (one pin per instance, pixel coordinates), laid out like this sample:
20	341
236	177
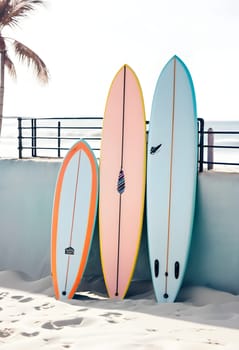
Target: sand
31	318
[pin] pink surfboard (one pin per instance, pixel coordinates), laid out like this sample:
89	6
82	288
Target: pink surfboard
122	181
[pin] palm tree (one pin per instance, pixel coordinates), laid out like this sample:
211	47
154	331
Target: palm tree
11	12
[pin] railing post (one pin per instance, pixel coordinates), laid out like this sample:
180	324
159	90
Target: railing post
210	142
59	139
19	137
201	143
34	134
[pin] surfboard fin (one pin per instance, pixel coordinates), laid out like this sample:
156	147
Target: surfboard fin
176	269
156	267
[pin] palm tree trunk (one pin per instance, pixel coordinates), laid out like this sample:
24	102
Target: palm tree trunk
2	60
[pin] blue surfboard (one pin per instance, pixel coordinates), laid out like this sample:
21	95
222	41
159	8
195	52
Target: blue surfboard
171	178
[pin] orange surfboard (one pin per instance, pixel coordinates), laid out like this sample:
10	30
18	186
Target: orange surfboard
73	218
122	181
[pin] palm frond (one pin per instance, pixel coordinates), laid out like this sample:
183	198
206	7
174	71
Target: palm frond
10	66
13	10
3	5
4	12
32	59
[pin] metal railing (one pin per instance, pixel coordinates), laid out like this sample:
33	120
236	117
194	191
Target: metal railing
53	137
206	141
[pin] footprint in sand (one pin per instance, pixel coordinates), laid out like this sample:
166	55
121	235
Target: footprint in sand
21	314
17	297
26	334
44	307
25	300
21	298
110	315
151	330
213	342
83	309
57	325
3	295
6	332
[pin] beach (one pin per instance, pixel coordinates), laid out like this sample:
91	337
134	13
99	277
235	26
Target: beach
31	318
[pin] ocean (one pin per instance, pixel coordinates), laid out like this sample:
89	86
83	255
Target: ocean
9	139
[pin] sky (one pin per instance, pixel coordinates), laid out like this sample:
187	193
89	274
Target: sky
84	44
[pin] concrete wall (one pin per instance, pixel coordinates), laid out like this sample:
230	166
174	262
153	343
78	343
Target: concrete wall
214	258
26	195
